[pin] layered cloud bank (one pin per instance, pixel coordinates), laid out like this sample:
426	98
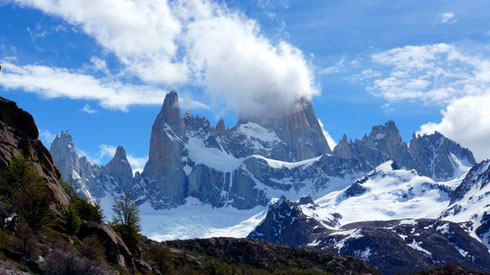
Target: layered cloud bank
169	44
444	75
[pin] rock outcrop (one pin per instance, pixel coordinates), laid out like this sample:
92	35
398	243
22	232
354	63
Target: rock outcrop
19	135
470	202
116	250
164	168
120	170
433	155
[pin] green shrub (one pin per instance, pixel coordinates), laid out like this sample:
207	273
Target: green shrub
86	210
126	222
71	220
26	193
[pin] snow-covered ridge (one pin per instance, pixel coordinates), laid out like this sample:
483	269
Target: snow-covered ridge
384	194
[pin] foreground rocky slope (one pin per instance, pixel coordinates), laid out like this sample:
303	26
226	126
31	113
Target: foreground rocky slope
237	256
39	249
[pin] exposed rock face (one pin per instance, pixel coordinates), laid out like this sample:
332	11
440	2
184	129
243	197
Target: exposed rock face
436	156
286	224
18	134
432	155
120	169
469	202
116	250
90	180
164	167
244	166
220	127
299	134
392	246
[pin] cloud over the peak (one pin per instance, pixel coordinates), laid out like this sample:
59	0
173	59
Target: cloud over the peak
467	121
195	42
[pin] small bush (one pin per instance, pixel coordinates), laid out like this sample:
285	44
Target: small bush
92	249
71	220
26	244
86	210
65	261
160	257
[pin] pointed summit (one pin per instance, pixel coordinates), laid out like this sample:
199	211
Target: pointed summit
220	127
120	153
164	166
120	169
65	157
170	113
343	149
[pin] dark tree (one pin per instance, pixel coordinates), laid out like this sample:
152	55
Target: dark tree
26	192
126	221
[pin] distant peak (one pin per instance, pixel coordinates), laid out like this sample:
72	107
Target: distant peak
120	153
220	127
188	114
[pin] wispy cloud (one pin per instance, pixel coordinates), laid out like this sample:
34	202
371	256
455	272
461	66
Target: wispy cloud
333	69
447	18
46	137
54	82
435	74
86	108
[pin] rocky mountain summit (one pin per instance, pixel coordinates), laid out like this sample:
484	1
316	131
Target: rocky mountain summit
259	158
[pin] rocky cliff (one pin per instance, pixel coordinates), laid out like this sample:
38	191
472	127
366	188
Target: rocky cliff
19	135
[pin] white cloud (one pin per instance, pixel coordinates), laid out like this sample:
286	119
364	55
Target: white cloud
447	18
52	82
331	142
466	121
88	109
445	75
436	74
193	41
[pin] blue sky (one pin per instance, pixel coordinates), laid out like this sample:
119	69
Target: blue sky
101	69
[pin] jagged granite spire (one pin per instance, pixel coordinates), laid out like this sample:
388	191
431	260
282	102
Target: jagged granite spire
65	157
220	127
436	156
343	149
164	167
120	169
299	131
